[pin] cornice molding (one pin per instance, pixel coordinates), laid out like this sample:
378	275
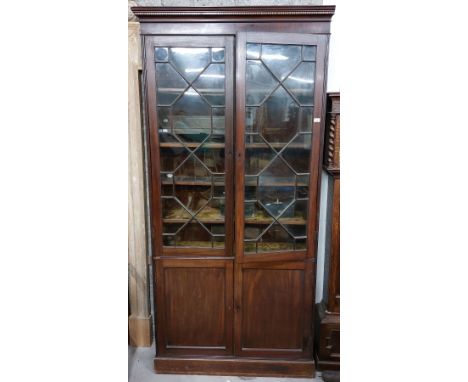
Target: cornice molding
322	11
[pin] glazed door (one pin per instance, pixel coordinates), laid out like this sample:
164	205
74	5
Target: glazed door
279	112
190	101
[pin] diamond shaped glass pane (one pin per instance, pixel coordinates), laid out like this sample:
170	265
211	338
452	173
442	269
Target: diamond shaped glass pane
190	61
211	153
254	213
297	153
192	170
281	59
276	187
192	118
294	219
301	83
212	212
277	118
276	239
210	84
169	84
257	154
194	198
259	83
172	157
171	209
193	235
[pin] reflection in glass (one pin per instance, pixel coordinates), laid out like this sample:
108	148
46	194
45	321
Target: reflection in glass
297	153
277	118
259	82
210	84
257	154
190	61
253	51
218	120
161	54
306	116
192	117
301	83
281	59
308	53
169	84
217	54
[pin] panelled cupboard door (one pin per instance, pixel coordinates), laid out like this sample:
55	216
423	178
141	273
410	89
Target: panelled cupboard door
273	309
194	307
279	97
190	104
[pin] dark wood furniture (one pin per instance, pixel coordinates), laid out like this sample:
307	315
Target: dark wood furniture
235	110
327	347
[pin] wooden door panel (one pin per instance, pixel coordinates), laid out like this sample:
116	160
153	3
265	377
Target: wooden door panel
194	307
272	300
273	309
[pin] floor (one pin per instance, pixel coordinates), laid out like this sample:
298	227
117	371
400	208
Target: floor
140	369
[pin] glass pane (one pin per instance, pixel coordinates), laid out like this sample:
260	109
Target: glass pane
164	124
275	239
259	82
297	153
278	142
211	153
308	53
191	127
161	54
213	211
190	62
193	198
192	172
255	213
173	210
194	235
281	59
217	54
210	84
278	118
169	84
306	116
294	218
276	187
192	117
253	51
218	120
257	154
301	83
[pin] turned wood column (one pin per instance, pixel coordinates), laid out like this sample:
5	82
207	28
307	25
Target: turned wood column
327	342
139	322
